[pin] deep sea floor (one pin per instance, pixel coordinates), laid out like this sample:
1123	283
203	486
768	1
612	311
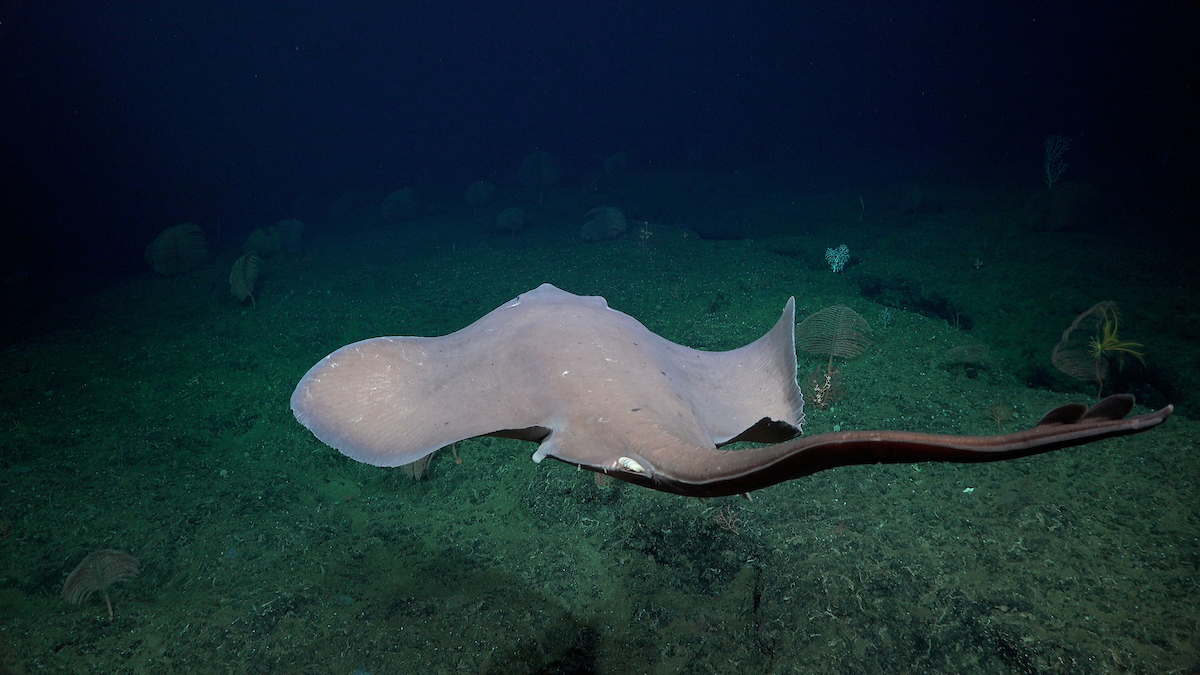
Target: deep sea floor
152	417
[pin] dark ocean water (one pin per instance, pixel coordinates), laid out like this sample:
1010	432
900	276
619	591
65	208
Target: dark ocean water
148	411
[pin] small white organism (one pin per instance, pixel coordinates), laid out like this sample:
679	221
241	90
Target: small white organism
837	257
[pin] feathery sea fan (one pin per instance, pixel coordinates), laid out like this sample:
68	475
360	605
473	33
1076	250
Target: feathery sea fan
242	277
96	572
1090	343
177	249
605	222
834	331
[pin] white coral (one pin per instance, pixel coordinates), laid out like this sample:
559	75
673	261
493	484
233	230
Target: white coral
837	257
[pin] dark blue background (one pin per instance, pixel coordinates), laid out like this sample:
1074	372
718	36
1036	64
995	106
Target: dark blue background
119	119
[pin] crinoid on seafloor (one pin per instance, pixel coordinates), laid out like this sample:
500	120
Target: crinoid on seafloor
1090	344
